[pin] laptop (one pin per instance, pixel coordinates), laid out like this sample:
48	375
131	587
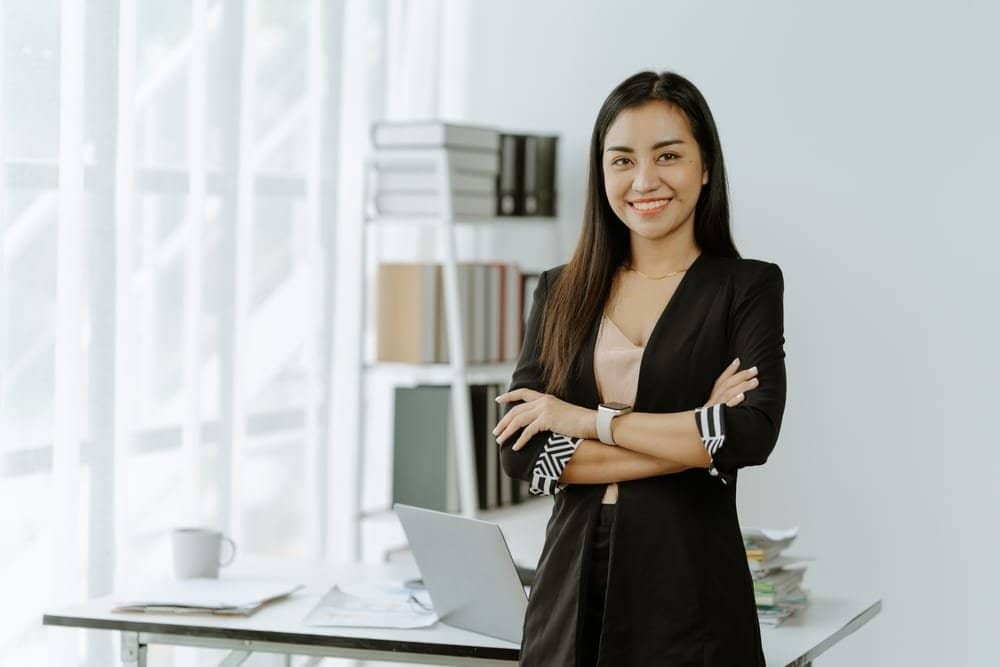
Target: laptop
468	570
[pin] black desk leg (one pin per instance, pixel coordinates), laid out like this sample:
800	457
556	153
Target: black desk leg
133	653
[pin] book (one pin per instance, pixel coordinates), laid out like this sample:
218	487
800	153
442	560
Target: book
511	305
426	160
424	473
477	400
763	545
491	473
545	174
529	193
390	181
491	314
428	133
779	582
510	184
408	303
479	313
467	297
500	479
417	203
760	569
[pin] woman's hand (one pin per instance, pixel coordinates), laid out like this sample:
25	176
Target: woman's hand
731	385
543	412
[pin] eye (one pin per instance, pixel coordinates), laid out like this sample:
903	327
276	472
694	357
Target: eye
670	155
616	161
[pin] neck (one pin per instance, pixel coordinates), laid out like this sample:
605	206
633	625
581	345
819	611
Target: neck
659	256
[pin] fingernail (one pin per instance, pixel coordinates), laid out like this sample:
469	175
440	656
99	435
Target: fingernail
741	397
754	369
735	361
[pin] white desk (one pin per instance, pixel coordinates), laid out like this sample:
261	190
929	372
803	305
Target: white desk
278	628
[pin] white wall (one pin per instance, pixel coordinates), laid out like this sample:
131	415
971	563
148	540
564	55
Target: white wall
861	147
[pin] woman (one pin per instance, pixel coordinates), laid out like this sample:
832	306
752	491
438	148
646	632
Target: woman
652	370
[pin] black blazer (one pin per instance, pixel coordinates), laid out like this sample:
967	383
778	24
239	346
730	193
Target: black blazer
679	589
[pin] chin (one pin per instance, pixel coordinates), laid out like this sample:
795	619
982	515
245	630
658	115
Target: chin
652	230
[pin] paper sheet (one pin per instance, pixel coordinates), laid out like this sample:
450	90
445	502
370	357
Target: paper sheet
373	605
770	534
228	595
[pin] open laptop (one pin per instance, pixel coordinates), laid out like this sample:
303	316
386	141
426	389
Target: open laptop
468	570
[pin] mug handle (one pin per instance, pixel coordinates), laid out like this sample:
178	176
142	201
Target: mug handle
232	545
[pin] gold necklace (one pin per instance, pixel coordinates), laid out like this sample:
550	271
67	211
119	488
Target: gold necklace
629	267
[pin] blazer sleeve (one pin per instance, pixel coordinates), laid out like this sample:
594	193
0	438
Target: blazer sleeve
746	434
541	461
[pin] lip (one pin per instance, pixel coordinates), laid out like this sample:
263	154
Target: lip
651	212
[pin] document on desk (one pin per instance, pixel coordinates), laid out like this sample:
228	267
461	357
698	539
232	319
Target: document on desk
236	595
373	605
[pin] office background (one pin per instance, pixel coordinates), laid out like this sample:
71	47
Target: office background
861	144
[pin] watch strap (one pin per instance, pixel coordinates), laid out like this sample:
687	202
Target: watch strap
604	418
606	415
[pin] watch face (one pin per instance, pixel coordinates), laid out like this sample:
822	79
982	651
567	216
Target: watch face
616	406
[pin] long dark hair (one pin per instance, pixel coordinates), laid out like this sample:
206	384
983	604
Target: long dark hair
576	298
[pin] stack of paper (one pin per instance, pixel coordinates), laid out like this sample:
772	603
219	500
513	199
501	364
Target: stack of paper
234	596
777	584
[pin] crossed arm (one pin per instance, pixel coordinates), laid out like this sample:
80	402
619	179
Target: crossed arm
649	444
597	463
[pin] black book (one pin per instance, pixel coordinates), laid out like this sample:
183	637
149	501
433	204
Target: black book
481	438
545	175
515	484
510	180
501	479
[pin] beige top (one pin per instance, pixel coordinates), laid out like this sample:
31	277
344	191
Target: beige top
616	372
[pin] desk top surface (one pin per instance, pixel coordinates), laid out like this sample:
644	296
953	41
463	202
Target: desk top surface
800	639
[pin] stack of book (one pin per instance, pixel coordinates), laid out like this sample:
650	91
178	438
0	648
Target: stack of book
491	173
411	326
777	578
407	181
424	467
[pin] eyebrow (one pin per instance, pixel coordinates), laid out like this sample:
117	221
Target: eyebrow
660	144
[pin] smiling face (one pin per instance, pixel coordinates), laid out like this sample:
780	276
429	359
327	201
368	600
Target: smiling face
653	171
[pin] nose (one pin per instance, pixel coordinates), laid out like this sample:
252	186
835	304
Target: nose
646	179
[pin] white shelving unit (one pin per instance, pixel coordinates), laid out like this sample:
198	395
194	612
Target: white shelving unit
457	373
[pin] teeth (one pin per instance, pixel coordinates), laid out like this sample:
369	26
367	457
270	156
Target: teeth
650	205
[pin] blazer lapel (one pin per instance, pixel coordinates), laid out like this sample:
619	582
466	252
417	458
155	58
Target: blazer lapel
586	389
663	343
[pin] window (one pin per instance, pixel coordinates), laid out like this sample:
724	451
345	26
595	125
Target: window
164	211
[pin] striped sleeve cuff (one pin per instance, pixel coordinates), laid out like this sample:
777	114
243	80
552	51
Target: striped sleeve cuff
711	421
550	464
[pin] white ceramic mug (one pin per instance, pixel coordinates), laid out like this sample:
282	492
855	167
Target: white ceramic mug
198	551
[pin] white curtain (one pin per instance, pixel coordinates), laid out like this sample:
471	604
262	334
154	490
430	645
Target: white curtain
168	226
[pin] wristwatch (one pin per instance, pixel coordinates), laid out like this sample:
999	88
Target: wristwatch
605	413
